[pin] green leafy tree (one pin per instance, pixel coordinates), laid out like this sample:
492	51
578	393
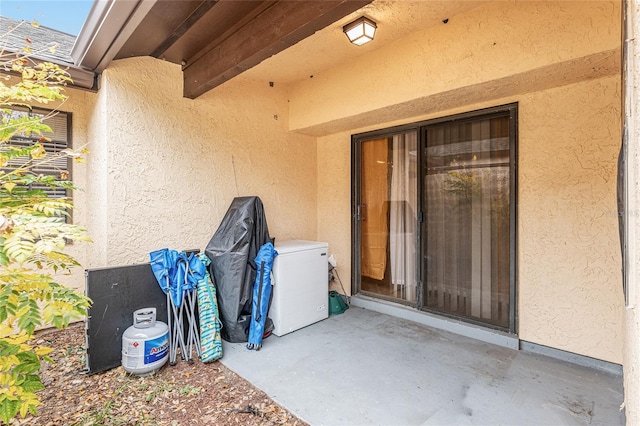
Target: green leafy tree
33	230
464	184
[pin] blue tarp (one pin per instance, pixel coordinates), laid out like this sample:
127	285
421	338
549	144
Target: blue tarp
261	295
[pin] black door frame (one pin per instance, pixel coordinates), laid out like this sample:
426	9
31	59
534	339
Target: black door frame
420	128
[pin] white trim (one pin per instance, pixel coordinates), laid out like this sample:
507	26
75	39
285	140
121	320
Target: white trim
109	25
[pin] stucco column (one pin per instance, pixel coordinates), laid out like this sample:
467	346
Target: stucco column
96	186
632	107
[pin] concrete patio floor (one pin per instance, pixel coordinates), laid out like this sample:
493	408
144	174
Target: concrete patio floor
368	368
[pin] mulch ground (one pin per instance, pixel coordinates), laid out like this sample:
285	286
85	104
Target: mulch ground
184	394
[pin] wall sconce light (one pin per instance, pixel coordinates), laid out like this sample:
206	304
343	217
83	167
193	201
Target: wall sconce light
360	31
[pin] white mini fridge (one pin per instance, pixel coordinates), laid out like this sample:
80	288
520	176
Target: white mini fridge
300	285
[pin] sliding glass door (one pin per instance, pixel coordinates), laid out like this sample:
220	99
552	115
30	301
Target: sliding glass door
387	216
434	216
468	216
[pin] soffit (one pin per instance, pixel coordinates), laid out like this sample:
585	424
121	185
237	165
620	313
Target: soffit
329	47
215	40
276	40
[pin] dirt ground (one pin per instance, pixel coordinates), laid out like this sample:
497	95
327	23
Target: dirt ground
184	394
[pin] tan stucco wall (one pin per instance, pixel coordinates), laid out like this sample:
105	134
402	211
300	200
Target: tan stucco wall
167	168
632	323
492	51
569	279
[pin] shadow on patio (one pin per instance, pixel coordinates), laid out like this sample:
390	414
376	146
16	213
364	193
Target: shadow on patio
364	367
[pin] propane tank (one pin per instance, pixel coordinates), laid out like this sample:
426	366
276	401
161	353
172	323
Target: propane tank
145	345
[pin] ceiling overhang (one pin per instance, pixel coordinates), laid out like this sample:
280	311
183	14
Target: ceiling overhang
213	40
275	27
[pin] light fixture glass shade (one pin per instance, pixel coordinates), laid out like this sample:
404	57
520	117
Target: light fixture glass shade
360	31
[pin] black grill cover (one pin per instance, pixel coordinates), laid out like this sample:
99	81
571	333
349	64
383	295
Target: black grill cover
232	251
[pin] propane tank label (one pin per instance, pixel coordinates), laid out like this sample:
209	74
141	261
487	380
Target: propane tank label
156	349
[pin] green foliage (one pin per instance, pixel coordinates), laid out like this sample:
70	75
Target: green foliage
19	381
33	232
464	184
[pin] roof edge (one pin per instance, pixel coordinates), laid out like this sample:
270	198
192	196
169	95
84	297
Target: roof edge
108	26
81	78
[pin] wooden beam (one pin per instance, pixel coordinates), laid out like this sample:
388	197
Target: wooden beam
214	27
203	8
278	27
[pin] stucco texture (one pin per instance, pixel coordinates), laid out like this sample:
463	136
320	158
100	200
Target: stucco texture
632	320
491	51
560	62
168	167
569	280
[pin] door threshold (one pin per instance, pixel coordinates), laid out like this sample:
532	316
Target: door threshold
495	337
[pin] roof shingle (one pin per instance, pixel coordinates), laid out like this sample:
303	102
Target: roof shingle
14	35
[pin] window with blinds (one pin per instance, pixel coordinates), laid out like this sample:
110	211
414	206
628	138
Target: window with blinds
59	139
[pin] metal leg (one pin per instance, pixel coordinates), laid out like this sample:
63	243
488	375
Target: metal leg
172	354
